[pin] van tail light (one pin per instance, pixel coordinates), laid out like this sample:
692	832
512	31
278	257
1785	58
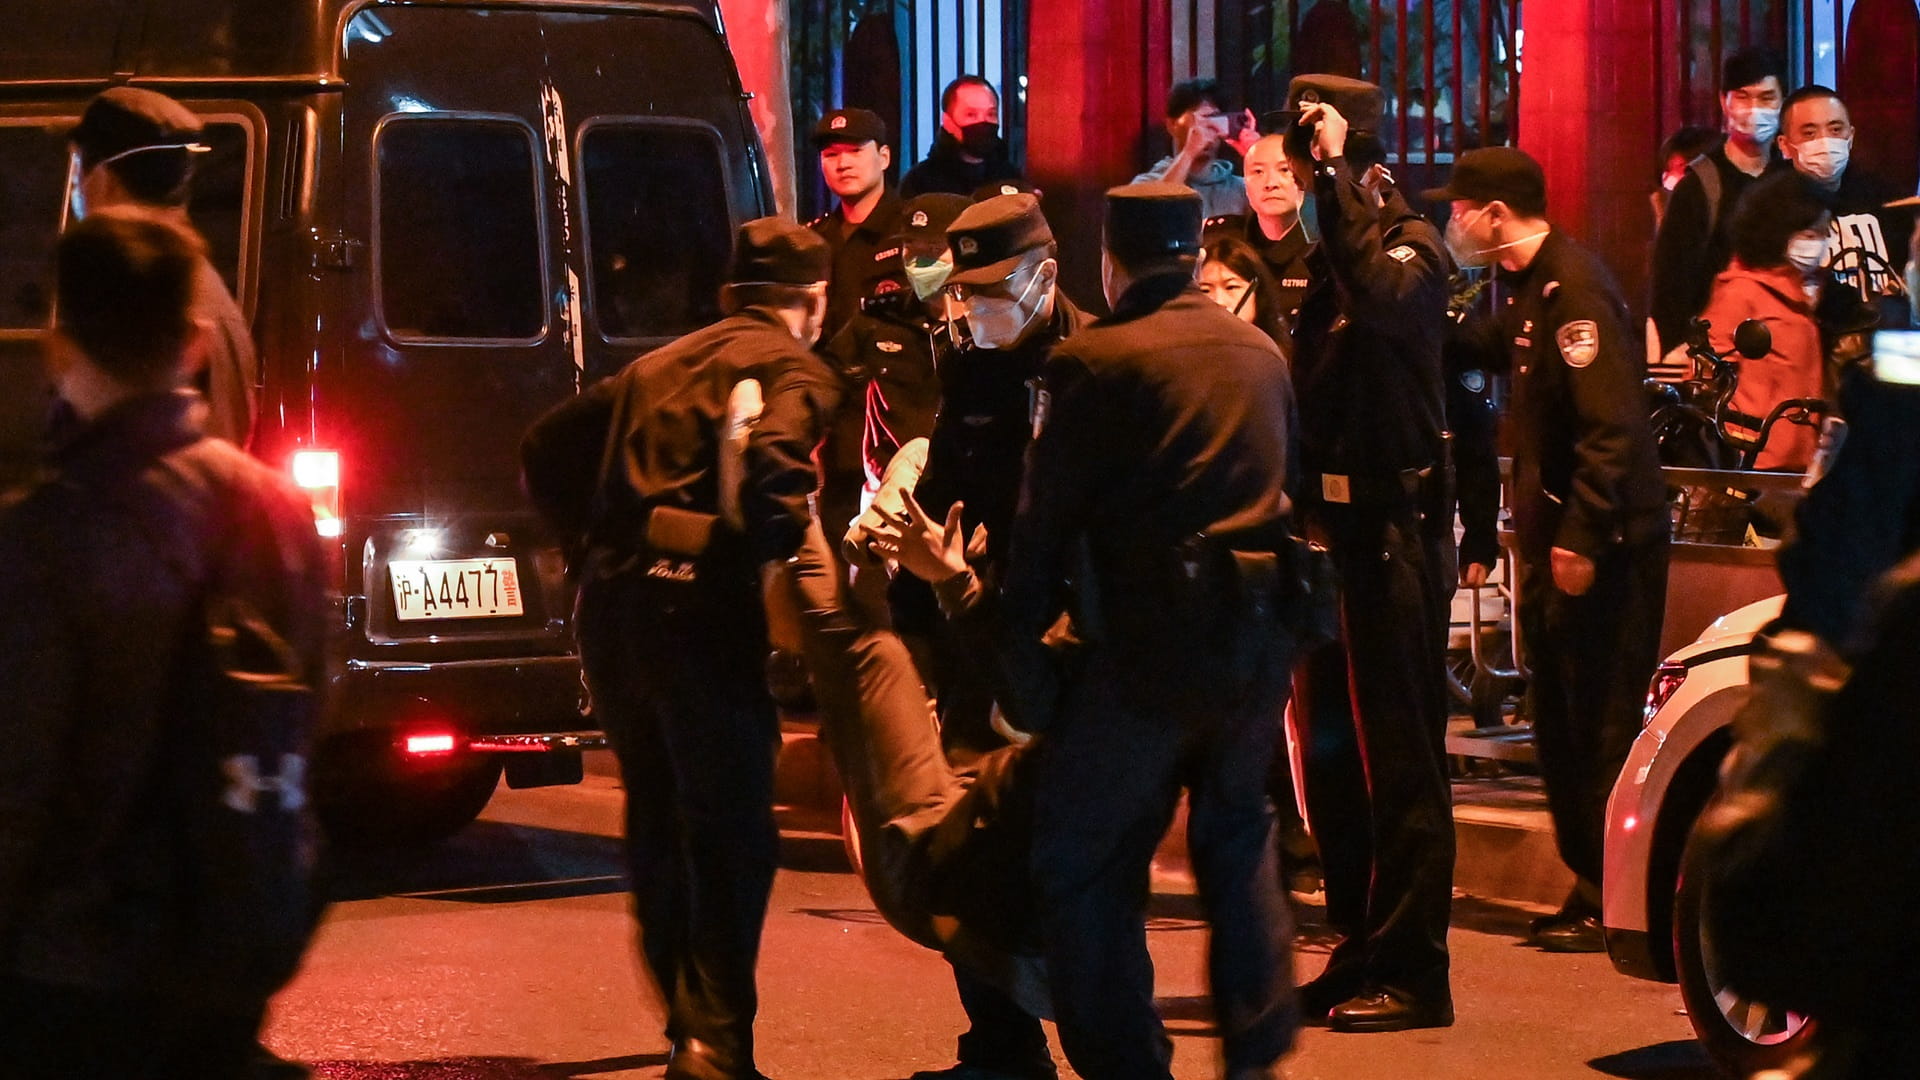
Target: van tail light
427	745
1666	683
317	472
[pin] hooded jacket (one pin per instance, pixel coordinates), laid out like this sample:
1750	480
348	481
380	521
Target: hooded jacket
1793	369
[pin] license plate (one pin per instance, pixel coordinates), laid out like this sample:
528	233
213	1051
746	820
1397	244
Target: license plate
455	589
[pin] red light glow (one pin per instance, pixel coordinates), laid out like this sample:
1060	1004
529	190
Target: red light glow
429	744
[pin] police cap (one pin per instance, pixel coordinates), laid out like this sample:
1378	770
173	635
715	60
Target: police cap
925	218
1152	221
129	118
1013	186
856	126
990	238
1359	101
1507	174
770	251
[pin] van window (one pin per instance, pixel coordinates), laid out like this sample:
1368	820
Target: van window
458	241
218	204
657	224
33	187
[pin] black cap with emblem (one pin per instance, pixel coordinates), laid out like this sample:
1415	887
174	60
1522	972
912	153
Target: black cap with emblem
925	218
990	238
1152	221
1014	186
1362	103
855	126
770	251
1505	174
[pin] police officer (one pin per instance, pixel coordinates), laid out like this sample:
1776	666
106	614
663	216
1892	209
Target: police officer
1589	504
1274	225
854	157
888	357
673	636
1374	490
1006	273
1157	486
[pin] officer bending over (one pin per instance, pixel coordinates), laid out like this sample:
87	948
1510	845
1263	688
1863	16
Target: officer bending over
673	634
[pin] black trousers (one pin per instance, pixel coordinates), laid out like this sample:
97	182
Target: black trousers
676	676
66	1033
1132	732
1592	657
1372	713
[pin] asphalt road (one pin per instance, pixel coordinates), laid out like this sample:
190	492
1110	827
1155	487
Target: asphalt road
507	954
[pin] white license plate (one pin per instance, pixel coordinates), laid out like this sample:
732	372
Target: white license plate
455	589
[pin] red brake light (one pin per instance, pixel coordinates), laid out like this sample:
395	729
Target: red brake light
1666	683
429	744
317	472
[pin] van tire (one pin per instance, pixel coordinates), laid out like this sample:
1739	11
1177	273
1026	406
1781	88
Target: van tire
1779	1036
371	800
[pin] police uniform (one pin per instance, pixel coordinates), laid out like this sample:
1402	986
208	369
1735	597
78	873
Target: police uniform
1285	257
1586	478
866	256
1375	489
1163	453
888	357
673	640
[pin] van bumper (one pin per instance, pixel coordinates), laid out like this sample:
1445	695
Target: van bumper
481	698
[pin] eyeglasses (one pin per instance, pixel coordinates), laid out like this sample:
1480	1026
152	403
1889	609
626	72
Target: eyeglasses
1004	289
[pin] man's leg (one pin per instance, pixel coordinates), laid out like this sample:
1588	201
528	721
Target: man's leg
1335	782
1105	789
1396	656
60	1033
1002	1041
1230	834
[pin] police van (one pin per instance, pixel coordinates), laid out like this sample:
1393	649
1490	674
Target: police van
441	217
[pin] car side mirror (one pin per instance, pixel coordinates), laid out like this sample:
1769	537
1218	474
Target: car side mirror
1752	339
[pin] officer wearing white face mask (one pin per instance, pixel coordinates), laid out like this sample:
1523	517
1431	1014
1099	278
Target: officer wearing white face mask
1692	244
1868	247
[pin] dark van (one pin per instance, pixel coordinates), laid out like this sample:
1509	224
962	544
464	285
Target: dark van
441	217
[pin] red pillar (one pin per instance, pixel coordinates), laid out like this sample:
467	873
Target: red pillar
1086	99
1590	112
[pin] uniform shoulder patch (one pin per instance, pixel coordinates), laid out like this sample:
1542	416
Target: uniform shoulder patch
1475	381
888	346
1579	342
1403	253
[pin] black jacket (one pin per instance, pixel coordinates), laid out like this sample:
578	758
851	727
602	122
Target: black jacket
1692	246
1586	472
1861	220
1367	351
888	359
944	169
1168	419
866	259
102	568
668	407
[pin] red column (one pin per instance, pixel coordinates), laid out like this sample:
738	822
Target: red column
1590	111
1086	99
757	33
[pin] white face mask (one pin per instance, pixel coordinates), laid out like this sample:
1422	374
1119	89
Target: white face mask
1758	123
1457	241
999	323
1823	159
1807	254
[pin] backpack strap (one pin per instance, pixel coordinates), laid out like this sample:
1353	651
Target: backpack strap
1703	168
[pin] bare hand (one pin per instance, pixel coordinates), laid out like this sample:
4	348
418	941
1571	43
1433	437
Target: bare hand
1249	133
1572	573
1329	130
1201	138
1474	575
923	548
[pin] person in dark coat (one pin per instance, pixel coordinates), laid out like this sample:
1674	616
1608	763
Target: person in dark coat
854	157
1374	490
1589	503
136	148
967	151
1157	487
673	633
107	567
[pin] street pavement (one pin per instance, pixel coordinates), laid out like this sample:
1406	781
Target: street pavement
507	954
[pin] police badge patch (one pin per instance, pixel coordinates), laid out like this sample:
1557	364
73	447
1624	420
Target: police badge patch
1579	342
920	219
1403	253
968	246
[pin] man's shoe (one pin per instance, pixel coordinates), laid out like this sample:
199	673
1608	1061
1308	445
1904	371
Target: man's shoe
968	1071
1382	1009
1568	934
1323	993
692	1059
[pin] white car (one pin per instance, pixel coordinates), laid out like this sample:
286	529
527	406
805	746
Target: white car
1650	908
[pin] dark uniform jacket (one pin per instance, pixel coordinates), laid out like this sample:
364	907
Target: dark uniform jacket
866	259
102	569
1286	258
944	169
1367	351
1586	473
668	408
1692	246
1168	419
888	358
